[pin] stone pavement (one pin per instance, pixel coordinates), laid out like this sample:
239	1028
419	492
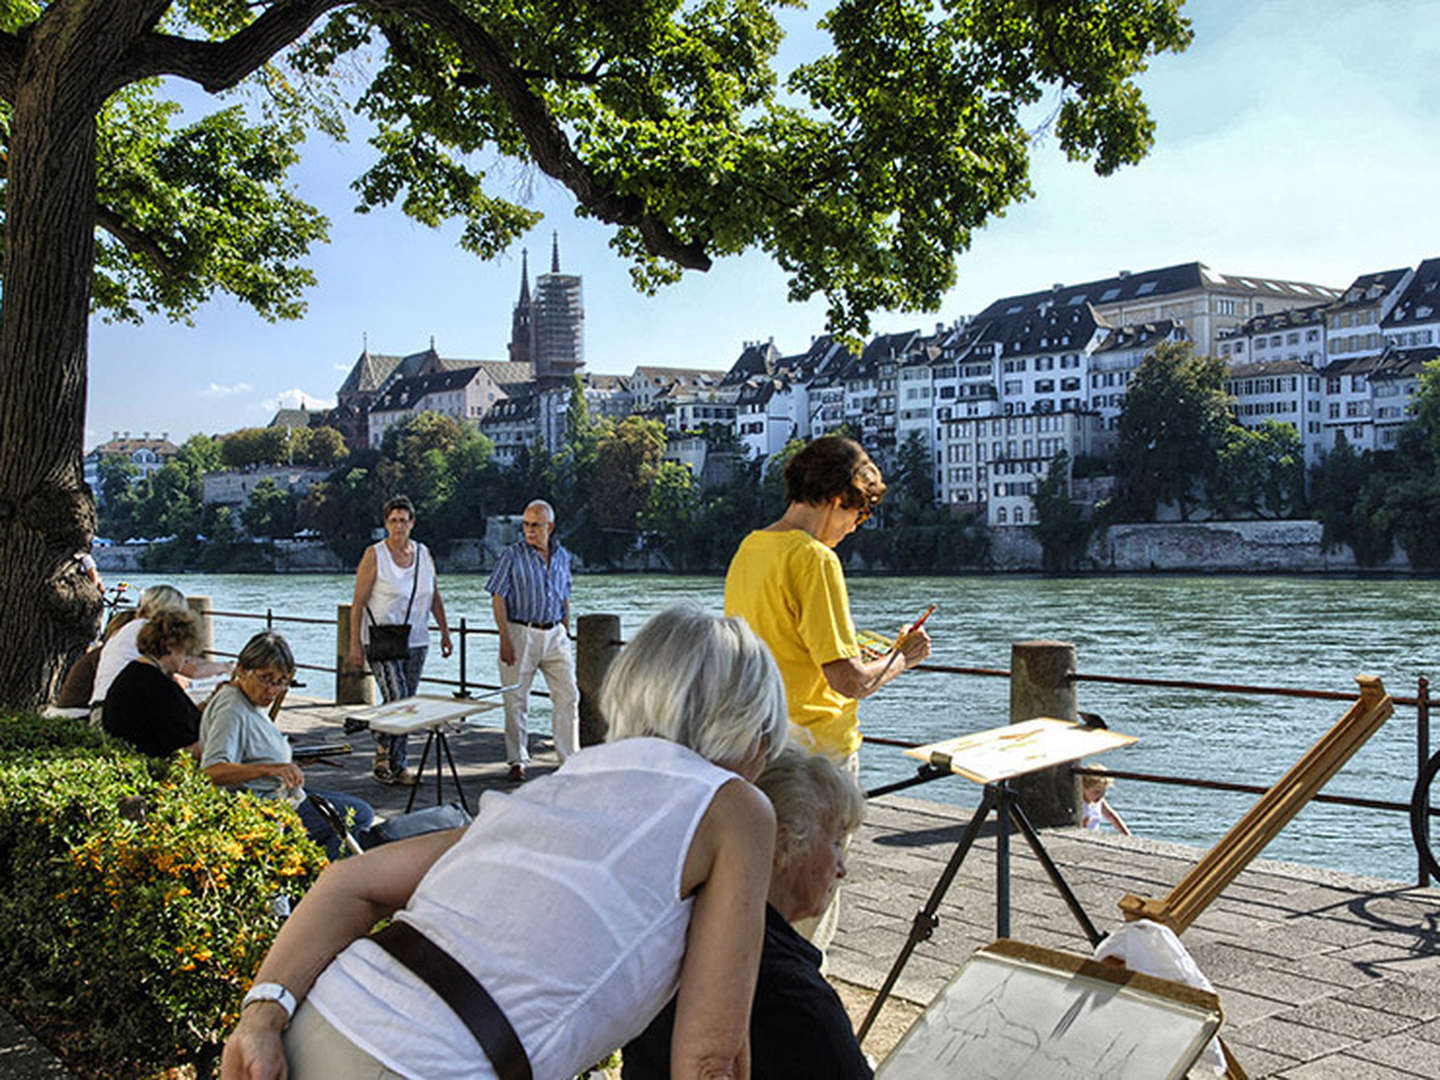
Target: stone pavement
1322	975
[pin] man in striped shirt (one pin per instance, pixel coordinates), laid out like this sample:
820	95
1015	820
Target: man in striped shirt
530	595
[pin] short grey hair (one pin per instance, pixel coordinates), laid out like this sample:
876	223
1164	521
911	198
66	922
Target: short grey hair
266	649
811	795
549	510
704	682
158	598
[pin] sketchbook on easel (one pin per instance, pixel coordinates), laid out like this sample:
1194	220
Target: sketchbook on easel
1022	1012
1016	749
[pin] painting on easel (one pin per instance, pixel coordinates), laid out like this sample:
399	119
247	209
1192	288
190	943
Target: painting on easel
988	757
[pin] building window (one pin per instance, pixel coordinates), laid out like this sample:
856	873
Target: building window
1000	513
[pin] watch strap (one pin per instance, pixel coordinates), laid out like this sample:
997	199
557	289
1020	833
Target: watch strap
271	991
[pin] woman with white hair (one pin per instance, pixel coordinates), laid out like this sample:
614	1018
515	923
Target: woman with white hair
123	647
557	924
798	1025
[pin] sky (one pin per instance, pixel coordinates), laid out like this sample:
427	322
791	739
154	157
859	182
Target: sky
1294	139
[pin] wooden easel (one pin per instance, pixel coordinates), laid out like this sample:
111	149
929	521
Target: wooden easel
1209	877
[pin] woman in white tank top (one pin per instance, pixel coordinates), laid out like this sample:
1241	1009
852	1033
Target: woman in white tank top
576	901
395	584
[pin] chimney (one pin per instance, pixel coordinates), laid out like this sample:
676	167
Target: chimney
147	434
127	434
114	434
1123	274
1057	286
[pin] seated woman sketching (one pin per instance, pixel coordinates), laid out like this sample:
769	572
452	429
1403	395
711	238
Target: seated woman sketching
568	912
798	1026
240	746
144	705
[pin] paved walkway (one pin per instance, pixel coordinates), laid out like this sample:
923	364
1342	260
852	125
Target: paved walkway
1322	975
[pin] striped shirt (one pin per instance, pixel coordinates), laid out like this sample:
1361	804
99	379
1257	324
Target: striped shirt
533	592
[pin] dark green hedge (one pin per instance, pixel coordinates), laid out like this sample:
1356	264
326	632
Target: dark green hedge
136	897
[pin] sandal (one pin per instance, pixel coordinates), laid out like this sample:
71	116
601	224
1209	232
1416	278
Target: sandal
403	778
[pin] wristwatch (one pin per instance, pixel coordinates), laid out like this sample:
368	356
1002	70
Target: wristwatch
269	991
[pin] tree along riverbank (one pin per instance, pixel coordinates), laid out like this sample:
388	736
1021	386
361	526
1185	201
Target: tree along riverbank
1291	547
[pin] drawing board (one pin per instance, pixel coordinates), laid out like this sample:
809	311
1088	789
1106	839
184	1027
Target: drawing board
988	757
1022	1012
405	715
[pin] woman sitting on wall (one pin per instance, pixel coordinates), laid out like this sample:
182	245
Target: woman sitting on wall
240	746
145	706
568	912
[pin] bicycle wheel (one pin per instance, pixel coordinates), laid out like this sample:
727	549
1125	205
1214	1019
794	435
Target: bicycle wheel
1425	817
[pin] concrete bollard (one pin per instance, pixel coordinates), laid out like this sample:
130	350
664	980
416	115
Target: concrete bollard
1040	686
352	685
200	607
596	645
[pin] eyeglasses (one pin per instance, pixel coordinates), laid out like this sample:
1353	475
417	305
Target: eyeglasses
275	682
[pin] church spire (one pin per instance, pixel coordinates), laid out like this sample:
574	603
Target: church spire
555	252
524	275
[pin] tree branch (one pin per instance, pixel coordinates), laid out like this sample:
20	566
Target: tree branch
548	143
219	65
138	242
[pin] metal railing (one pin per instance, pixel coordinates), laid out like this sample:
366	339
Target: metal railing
1420	701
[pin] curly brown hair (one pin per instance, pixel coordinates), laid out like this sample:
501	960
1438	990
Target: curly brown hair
166	631
833	465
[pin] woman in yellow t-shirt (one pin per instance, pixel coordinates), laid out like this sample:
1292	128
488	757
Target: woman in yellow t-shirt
786	582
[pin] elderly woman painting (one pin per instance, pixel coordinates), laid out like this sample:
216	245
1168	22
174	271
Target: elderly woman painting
240	746
568	912
798	1026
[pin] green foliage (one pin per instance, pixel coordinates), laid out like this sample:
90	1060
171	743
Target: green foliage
1260	472
205	207
1059	525
1173	424
910	493
1346	493
136	896
270	510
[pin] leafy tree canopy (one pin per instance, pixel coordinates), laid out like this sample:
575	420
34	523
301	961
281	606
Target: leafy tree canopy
863	172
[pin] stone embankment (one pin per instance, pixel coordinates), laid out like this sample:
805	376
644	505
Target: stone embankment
1193	547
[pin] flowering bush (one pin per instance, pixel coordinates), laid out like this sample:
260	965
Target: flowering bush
138	898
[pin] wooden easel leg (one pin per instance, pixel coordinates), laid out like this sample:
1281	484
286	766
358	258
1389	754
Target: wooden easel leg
1233	1071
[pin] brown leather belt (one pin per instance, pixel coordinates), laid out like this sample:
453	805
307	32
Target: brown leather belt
460	990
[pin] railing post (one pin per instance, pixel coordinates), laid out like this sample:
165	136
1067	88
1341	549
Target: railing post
1041	685
1422	750
463	692
200	607
597	641
352	685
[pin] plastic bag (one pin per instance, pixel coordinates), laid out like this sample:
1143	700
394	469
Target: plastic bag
1153	949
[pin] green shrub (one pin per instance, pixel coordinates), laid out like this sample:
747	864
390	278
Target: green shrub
136	896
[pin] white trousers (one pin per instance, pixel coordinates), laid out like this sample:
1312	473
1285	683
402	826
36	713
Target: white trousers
548	652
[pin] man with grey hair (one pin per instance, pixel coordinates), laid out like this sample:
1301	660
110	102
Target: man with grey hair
530	595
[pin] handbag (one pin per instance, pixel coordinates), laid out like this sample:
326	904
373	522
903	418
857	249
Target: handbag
391	641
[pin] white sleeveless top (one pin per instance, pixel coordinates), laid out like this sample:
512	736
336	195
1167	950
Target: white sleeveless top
563	899
391	593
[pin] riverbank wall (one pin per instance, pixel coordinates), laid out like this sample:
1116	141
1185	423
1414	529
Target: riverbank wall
1218	547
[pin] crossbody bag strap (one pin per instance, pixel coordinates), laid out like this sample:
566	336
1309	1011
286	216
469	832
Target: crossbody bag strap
460	990
414	584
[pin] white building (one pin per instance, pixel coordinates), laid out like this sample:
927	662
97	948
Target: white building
1354	342
1285	391
145	453
769	412
996	463
1112	365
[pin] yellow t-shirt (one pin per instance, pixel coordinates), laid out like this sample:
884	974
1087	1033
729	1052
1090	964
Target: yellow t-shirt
790	588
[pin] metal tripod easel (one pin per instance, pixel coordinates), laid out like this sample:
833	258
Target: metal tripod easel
1000	798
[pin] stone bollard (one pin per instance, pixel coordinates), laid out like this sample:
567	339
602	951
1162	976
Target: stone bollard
352	685
200	607
1040	686
596	645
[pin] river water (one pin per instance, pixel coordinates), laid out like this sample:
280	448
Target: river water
1304	632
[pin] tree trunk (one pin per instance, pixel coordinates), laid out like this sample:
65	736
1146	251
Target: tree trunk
47	513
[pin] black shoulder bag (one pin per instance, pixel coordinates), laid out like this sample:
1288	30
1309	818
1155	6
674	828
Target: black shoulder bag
391	641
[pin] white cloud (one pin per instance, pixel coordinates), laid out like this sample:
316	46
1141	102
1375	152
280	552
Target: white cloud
295	398
215	390
342	367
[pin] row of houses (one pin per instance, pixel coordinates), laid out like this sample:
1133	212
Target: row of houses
993	397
